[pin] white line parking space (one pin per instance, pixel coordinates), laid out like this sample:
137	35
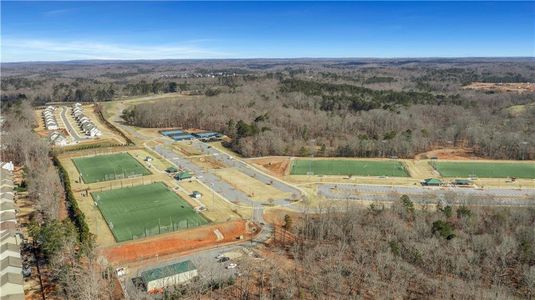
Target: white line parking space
430	195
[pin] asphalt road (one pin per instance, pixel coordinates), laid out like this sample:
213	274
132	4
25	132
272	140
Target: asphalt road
430	195
247	169
68	125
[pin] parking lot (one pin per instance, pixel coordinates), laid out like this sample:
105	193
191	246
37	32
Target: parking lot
429	195
208	263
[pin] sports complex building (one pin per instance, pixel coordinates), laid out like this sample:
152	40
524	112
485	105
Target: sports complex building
169	275
180	135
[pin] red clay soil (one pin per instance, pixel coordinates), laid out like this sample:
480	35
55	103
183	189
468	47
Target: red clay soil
276	165
174	243
449	154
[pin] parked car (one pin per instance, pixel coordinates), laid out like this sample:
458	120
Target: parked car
224	259
232	266
120	272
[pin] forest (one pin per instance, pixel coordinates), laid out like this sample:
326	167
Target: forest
305	113
354	108
397	253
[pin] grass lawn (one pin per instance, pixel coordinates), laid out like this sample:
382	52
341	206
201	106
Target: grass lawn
108	167
145	210
348	167
485	169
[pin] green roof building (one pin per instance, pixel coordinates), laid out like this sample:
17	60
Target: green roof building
462	182
432	182
182	175
169	275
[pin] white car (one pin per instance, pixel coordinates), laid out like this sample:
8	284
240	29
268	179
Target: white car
120	272
219	256
232	266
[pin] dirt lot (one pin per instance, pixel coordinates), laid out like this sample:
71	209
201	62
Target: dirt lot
186	149
208	162
275	165
175	242
502	87
252	187
449	153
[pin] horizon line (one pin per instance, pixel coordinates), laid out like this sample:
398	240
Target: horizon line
270	58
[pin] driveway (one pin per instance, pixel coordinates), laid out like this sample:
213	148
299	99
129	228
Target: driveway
68	125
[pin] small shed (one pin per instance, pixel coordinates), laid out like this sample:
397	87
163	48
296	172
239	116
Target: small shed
432	182
169	275
183	175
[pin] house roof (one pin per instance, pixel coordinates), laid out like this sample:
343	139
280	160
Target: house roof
166	271
433	181
10	261
7	197
9	238
7	205
8	225
12	278
10	247
7	215
6	189
463	181
12	286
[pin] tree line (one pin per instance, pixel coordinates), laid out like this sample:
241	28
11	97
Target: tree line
70	257
271	117
397	252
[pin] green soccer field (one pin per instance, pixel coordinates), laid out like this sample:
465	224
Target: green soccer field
348	167
109	167
145	210
485	169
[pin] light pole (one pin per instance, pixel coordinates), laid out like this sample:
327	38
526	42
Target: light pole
524	143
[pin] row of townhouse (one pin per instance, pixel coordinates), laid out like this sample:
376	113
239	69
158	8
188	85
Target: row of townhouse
84	122
49	118
57	138
11	270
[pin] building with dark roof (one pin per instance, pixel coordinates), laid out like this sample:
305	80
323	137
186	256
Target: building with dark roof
432	182
169	275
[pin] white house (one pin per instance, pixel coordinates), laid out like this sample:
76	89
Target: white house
11	286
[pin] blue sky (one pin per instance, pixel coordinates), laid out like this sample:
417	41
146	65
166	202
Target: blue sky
44	31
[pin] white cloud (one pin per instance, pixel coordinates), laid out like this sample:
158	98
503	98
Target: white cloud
48	50
58	12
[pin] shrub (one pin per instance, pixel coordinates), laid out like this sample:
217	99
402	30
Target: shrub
444	229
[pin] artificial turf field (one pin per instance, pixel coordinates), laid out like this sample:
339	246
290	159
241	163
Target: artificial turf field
348	167
108	167
485	169
145	210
